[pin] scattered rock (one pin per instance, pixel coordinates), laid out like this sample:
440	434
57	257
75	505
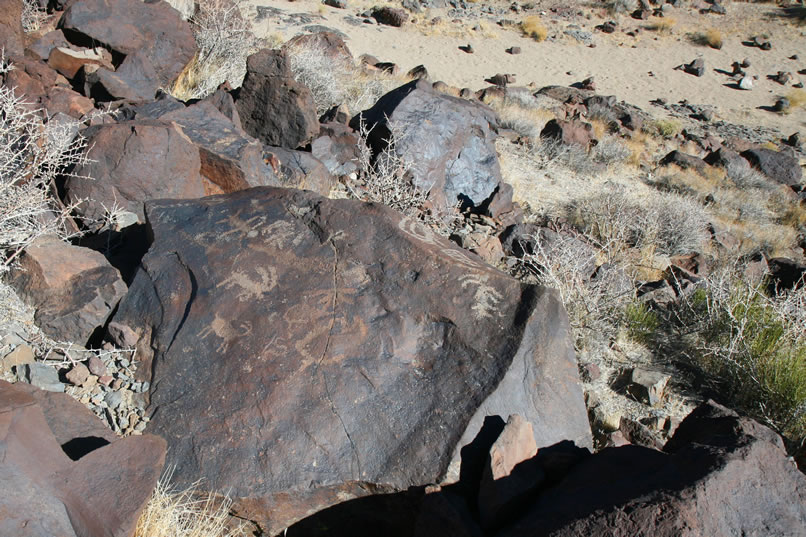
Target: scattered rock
96	366
501	80
78	374
417	73
73	289
273	107
696	67
608	27
467	48
684	161
514	50
12	36
746	83
782	77
340	4
781	104
22	354
204	291
68	61
761	42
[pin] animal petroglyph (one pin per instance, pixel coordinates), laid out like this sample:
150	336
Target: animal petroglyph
418	230
248	288
224	329
486	298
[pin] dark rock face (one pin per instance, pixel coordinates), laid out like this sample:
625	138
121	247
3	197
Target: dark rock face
135	80
273	107
45	493
302	350
449	141
337	148
719	475
152	29
135	161
779	167
73	289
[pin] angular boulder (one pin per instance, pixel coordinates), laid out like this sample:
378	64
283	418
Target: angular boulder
230	159
275	108
448	141
131	162
570	132
299	169
303	351
73	289
153	29
134	80
719	475
62	485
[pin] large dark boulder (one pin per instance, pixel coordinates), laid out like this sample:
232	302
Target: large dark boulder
449	142
61	484
778	166
719	475
302	351
73	289
153	29
131	162
275	108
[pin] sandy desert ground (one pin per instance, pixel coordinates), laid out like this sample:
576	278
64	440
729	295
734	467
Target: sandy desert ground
635	68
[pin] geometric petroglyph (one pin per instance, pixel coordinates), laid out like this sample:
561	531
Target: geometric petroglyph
462	258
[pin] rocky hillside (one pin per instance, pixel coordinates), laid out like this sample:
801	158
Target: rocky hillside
298	293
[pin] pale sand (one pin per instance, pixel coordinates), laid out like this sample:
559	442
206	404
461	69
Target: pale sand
618	68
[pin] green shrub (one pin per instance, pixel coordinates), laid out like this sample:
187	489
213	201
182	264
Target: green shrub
641	322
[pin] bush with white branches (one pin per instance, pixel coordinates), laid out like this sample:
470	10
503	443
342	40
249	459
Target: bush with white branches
32	153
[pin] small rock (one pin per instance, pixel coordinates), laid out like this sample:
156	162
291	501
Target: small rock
745	63
416	73
696	68
781	104
467	48
608	27
638	434
782	77
113	399
78	375
514	50
96	366
40	375
390	16
590	372
746	83
340	4
762	42
794	140
647	386
116	384
22	354
105	380
588	84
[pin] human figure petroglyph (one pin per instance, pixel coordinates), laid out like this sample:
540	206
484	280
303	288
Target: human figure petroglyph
486	298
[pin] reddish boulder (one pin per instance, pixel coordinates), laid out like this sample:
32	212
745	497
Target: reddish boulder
63	99
275	108
301	350
153	29
12	37
134	80
45	493
41	48
449	141
131	162
73	289
68	61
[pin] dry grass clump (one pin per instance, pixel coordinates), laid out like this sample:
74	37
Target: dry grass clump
532	26
32	16
663	26
187	513
224	38
335	80
713	38
665	128
797	98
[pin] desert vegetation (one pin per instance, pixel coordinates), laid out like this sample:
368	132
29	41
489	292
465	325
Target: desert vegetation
672	238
